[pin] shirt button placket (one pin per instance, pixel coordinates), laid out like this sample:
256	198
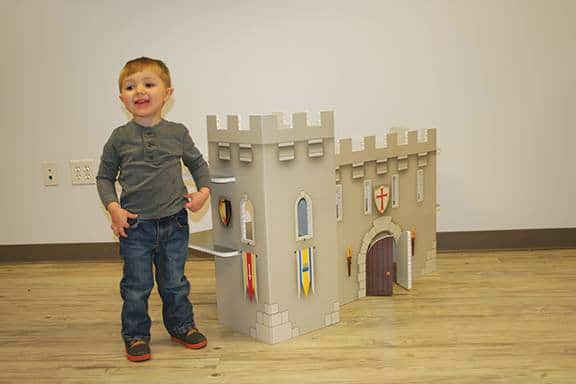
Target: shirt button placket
149	144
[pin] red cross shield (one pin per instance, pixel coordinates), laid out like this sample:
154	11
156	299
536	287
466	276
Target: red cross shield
381	197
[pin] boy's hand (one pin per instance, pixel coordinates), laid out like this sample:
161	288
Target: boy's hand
196	200
120	218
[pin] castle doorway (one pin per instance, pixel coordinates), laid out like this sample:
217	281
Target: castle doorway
380	266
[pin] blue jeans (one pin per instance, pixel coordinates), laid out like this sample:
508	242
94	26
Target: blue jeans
164	244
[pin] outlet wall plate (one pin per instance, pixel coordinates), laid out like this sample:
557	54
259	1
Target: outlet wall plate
83	172
49	173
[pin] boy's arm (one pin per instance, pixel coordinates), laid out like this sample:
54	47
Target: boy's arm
107	172
198	167
196	200
194	161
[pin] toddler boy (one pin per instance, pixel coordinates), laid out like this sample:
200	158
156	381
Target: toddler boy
150	219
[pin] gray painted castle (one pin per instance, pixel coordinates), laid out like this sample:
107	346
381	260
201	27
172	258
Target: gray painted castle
303	224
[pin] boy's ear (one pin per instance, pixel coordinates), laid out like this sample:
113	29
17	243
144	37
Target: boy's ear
169	92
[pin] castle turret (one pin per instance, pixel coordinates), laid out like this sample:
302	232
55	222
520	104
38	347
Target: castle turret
277	181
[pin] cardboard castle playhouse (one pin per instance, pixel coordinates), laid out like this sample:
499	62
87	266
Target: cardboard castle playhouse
303	224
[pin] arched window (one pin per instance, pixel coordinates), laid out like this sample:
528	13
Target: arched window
247	221
303	215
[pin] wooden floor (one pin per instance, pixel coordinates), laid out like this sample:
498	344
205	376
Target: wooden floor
507	317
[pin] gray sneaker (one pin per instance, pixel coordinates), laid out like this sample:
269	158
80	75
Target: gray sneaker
137	350
191	339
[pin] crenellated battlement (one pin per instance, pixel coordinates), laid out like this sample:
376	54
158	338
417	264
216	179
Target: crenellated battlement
270	129
394	147
273	129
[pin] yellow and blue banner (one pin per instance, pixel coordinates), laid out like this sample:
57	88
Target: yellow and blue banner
305	260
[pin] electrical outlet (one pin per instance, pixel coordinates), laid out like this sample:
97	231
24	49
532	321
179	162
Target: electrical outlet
82	172
49	173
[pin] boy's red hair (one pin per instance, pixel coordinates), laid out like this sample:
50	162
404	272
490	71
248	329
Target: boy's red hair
145	63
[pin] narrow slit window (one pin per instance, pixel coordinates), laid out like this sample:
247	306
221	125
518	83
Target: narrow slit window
338	202
303	217
367	197
395	192
420	185
247	221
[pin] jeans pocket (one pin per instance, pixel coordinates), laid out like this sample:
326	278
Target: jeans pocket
133	223
181	219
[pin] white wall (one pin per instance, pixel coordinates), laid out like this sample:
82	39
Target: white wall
495	77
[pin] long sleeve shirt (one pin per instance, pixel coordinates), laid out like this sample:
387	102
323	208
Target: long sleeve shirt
146	161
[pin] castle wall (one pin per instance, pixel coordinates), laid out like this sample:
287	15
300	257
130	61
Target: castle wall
285	181
234	309
396	159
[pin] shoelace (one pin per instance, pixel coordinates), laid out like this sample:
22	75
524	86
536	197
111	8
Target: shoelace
136	342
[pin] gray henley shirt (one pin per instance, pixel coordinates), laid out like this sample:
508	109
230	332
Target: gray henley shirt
146	163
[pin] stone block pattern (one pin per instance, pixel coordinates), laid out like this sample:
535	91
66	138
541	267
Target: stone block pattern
333	316
273	326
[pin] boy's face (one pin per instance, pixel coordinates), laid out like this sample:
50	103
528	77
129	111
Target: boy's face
144	94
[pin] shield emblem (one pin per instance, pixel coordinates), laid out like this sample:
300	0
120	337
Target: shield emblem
225	211
381	197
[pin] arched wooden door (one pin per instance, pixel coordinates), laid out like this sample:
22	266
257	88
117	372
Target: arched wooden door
379	267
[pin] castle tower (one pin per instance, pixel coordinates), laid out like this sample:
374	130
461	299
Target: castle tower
273	199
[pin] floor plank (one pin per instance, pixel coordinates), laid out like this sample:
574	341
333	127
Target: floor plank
494	317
